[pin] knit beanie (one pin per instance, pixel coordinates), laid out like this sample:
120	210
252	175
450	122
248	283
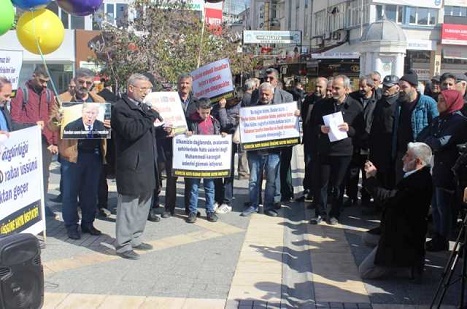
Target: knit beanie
411	78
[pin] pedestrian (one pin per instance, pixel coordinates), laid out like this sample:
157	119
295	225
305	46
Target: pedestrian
203	123
401	246
32	105
136	165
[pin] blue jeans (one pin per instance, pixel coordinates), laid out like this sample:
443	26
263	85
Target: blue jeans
442	204
269	163
208	193
80	179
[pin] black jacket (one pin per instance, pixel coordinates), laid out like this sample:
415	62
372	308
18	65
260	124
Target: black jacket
352	112
135	147
380	142
404	219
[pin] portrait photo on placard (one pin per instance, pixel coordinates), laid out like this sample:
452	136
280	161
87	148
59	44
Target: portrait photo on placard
85	120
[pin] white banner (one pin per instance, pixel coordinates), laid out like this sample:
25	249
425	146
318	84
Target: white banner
212	80
202	156
269	126
21	193
170	108
10	65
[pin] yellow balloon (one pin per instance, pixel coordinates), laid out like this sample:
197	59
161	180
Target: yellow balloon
41	28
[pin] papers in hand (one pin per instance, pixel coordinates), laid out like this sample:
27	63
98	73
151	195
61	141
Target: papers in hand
333	121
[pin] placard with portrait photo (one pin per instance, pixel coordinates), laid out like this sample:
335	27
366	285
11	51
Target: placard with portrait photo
86	120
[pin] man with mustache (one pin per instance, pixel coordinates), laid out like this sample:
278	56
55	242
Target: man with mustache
82	161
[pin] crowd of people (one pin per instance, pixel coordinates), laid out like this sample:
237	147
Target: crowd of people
400	143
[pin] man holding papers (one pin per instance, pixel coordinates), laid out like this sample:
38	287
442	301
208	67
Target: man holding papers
338	122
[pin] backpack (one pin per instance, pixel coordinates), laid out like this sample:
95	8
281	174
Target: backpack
25	91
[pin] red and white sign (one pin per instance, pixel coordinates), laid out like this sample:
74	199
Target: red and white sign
454	34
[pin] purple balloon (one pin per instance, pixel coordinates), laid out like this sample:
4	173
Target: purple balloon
79	7
30	5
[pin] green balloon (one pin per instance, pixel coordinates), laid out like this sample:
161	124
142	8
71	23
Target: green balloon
7	16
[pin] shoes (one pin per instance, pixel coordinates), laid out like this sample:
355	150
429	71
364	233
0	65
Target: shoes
57	199
143	246
309	198
271	213
248	211
191	217
103	212
130	255
300	199
49	212
316	220
90	229
187	212
215	206
437	243
287	199
277	206
152	216
212	217
375	231
73	233
223	209
166	214
333	221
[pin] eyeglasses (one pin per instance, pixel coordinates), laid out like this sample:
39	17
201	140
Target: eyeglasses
270	77
82	82
143	89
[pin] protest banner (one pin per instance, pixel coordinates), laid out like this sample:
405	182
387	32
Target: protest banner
202	156
85	120
170	108
213	81
21	183
268	126
10	65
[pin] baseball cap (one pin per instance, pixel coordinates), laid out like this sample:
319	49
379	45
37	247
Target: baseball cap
390	80
436	79
460	77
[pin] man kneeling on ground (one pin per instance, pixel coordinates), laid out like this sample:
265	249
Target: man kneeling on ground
401	247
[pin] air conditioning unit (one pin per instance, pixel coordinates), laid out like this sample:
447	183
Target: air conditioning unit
327	35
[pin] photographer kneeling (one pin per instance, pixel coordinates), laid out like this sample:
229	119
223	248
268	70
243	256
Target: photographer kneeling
401	247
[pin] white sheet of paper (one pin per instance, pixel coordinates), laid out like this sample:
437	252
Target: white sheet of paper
332	121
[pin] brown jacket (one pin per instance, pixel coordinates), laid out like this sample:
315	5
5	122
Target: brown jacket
68	148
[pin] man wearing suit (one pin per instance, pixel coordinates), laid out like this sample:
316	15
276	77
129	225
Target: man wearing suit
401	246
86	126
5	94
286	188
136	165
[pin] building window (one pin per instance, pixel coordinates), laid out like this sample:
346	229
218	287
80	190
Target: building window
358	14
320	22
77	22
455	11
422	16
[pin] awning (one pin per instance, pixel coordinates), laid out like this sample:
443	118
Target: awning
455	52
344	51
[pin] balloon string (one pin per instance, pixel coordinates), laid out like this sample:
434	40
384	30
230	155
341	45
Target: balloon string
54	89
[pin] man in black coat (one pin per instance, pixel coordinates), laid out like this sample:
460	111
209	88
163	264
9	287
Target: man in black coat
136	165
334	157
401	246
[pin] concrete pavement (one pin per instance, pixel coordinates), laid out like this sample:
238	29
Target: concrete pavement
256	262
